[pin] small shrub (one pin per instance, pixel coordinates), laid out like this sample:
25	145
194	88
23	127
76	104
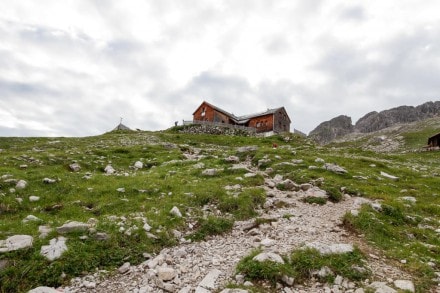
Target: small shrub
212	226
262	271
314	199
334	194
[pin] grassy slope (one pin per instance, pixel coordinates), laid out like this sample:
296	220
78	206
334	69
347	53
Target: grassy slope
402	229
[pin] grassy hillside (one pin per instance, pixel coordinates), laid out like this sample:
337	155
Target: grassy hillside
171	176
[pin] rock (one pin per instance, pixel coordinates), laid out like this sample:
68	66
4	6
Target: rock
234	291
56	247
109	170
72	226
232	159
21	184
331	249
209	172
249	175
121	189
24	166
386	175
289	185
268	242
381	287
305	186
268	256
138	165
124	268
15	242
209	280
316	192
324	272
332	129
319	160
75	167
405	285
44	231
410	199
34	198
176	212
166	274
147	227
199	166
31	218
288	280
247	149
338	280
102	236
49	180
43	289
334	168
376	206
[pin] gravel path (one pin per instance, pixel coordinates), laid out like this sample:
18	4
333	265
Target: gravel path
209	265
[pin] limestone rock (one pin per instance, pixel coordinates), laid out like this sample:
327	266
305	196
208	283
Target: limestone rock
332	129
44	289
268	256
124	268
338	248
75	167
109	170
72	226
21	184
386	175
209	172
382	287
31	218
289	185
209	280
34	198
176	212
232	159
55	249
138	165
49	180
15	242
247	149
166	274
405	285
334	168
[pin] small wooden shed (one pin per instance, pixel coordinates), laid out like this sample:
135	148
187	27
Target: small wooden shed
434	141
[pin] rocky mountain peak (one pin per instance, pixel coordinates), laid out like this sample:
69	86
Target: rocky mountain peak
332	129
373	121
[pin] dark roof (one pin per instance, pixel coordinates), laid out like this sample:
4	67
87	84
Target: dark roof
121	127
434	135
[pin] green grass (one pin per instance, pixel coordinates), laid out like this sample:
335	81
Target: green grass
302	264
401	230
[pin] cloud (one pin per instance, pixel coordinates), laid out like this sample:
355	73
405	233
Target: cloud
75	68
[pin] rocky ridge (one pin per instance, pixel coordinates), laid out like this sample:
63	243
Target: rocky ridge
340	126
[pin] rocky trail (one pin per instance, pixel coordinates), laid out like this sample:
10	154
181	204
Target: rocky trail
208	266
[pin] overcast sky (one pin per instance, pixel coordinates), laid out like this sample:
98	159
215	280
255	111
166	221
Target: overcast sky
74	67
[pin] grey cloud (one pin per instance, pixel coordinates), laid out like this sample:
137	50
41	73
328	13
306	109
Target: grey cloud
277	45
356	13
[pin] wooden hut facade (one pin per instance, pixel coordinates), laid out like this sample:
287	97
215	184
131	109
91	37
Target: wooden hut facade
273	120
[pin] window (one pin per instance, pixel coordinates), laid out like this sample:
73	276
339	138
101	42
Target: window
203	111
